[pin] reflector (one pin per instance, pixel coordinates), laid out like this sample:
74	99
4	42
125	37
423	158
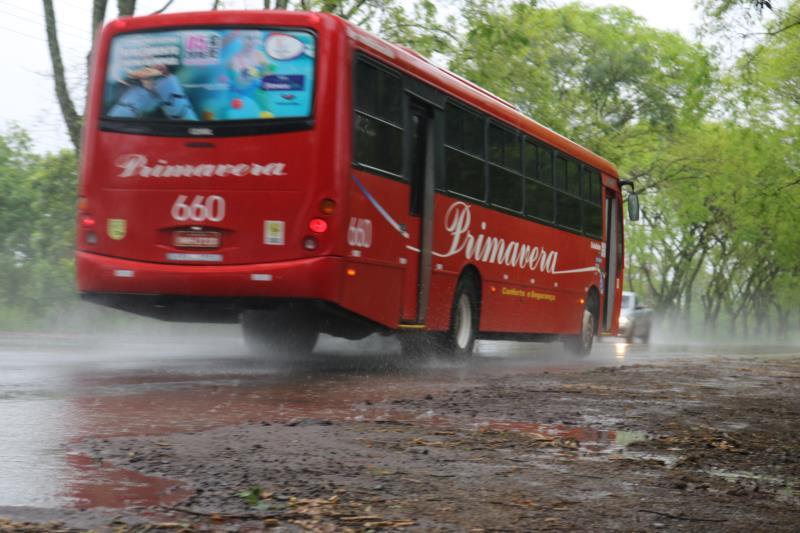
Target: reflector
310	243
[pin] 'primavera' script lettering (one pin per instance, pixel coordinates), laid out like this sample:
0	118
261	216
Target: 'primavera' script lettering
488	249
137	165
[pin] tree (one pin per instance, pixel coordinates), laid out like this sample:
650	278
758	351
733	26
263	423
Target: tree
37	198
588	73
72	118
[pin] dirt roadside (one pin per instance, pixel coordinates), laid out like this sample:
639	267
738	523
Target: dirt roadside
705	445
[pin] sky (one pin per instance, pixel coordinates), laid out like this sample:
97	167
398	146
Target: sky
28	98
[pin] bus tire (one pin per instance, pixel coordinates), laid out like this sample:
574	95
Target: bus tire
279	336
459	340
581	345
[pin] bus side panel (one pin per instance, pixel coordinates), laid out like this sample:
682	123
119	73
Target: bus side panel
440	302
533	276
378	253
375	291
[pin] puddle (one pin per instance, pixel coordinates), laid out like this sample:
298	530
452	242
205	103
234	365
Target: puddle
35	470
103	485
156	410
580	438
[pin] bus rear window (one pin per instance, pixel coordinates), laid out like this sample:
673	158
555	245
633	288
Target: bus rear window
210	75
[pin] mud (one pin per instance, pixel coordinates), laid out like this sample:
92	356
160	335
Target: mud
695	445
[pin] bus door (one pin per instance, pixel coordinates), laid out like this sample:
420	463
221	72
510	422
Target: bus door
421	170
613	255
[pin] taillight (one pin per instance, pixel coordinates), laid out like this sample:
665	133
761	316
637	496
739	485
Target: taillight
318	225
88	221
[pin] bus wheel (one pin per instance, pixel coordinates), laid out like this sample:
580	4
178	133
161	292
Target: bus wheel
279	336
581	345
460	338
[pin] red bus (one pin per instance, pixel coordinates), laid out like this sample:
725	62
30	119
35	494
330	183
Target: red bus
298	174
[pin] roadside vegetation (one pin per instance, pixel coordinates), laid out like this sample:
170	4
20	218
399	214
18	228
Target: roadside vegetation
707	129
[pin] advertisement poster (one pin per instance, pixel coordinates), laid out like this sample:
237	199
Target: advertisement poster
210	75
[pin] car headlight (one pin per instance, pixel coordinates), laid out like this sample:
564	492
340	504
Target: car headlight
623	321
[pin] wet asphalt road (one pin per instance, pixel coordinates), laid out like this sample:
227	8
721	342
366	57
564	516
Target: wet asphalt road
57	390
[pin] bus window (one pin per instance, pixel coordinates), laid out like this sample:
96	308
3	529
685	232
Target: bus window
513	159
539	200
561	173
505	183
464	130
496	144
592	211
529	152
465	174
464	152
378	119
472	125
209	75
573	177
568	200
545	160
505	188
568	211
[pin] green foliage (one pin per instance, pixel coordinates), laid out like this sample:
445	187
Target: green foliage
588	73
37	199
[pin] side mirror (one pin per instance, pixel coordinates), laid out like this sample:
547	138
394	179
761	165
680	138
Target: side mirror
633	200
633	206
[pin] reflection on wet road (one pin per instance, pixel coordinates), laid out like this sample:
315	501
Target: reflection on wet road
57	390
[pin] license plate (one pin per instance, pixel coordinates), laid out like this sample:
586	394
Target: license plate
196	239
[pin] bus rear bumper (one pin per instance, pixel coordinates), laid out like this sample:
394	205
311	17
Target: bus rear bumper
313	278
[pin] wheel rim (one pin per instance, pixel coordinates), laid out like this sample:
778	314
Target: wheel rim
588	329
463	322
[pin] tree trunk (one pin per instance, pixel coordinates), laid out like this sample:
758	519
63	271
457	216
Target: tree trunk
98	15
687	310
745	326
71	117
126	7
